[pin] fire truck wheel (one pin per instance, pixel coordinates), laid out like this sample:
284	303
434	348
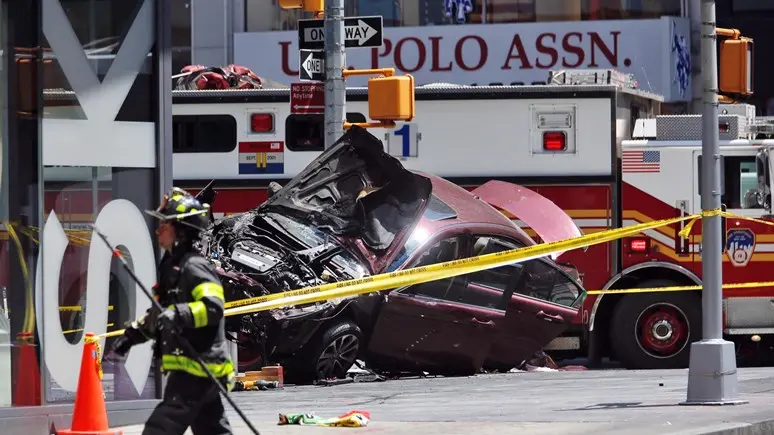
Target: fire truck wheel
655	330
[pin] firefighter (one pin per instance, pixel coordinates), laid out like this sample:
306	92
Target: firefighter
193	296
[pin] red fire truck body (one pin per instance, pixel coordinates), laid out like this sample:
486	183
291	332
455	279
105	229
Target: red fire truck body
601	151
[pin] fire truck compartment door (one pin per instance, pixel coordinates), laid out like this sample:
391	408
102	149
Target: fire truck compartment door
549	221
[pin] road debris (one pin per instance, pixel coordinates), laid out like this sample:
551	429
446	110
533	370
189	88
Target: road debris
350	419
255	385
268	378
542	362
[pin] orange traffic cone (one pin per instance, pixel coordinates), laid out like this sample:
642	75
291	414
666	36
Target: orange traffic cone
28	379
90	414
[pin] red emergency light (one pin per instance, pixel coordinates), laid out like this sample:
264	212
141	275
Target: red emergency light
639	245
261	122
554	141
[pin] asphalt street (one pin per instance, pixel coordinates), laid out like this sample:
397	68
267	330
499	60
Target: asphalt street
599	402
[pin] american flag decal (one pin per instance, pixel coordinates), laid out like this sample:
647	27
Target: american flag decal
641	161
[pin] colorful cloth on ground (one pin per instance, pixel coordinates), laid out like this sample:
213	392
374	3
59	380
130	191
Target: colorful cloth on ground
350	419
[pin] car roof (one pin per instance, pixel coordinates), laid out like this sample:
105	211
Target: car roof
466	208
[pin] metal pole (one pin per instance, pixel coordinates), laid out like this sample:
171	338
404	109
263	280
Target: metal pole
712	378
335	87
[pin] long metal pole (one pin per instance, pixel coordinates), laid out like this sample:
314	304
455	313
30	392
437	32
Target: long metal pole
335	88
712	378
711	255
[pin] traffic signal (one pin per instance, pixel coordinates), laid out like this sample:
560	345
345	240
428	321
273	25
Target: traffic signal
306	5
735	75
391	98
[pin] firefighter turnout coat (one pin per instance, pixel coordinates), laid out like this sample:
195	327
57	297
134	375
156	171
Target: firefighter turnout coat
187	282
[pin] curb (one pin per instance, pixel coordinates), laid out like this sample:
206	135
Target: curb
763	427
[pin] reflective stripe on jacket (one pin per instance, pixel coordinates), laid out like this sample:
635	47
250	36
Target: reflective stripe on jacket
193	289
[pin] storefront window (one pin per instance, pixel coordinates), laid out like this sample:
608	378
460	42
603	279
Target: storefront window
98	147
20	367
267	16
181	34
6	379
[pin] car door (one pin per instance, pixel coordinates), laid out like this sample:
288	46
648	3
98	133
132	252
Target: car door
426	327
542	302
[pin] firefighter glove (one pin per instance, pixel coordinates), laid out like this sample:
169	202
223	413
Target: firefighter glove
168	319
130	337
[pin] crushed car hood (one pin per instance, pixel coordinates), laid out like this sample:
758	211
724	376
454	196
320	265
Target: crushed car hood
548	221
355	190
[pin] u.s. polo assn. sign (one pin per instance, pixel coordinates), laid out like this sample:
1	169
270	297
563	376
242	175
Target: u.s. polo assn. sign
501	53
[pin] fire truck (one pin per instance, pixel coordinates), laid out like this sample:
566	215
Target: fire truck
589	140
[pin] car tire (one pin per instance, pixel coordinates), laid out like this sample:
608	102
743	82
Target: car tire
334	353
655	330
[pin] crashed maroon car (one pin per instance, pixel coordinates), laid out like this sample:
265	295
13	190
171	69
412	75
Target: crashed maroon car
356	211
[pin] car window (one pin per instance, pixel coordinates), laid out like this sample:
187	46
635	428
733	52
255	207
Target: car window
544	281
483	289
486	287
436	210
499	277
442	251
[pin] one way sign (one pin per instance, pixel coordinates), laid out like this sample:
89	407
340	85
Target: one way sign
358	32
312	65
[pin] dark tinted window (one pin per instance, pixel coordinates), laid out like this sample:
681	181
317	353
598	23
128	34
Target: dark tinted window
486	288
544	281
752	5
500	277
306	132
204	133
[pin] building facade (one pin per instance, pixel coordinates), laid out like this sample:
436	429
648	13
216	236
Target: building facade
86	114
440	40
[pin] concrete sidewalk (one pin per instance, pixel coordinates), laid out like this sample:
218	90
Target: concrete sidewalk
599	402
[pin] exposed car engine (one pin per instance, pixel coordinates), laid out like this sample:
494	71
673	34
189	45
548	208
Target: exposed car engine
257	255
340	218
261	248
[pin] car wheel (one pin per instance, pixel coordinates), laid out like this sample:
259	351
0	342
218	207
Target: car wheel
248	354
655	330
337	350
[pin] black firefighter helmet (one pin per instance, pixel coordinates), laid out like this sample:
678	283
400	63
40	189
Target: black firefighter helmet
184	211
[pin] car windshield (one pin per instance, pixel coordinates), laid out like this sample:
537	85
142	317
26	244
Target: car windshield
436	210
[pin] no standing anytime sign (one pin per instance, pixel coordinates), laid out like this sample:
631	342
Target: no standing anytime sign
307	97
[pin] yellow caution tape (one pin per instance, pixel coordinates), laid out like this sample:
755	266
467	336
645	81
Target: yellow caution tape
29	315
98	357
77	308
450	269
432	272
72	331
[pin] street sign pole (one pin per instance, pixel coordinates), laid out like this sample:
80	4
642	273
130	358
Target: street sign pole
712	375
335	87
